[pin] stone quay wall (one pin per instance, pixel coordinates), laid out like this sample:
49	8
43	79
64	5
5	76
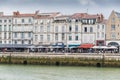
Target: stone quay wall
59	59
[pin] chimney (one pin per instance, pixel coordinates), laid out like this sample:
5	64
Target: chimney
16	13
36	12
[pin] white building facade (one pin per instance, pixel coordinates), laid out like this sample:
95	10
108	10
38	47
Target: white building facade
46	29
5	29
23	25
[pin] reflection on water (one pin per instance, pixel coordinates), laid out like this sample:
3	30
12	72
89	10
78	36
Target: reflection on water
37	72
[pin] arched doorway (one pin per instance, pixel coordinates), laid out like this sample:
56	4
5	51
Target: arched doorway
113	44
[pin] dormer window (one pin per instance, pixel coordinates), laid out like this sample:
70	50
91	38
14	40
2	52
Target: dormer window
41	21
48	21
76	20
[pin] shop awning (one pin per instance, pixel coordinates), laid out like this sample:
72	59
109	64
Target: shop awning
14	45
85	46
104	47
73	45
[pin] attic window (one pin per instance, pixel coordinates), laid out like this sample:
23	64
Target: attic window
113	19
76	20
48	21
41	21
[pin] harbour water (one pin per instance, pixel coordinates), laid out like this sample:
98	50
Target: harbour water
37	72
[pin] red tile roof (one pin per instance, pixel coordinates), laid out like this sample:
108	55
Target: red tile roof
17	14
84	15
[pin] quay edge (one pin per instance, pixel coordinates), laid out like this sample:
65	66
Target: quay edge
96	60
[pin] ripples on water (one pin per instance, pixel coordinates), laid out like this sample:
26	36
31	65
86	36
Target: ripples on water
37	72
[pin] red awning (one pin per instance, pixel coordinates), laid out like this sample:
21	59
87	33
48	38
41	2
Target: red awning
86	46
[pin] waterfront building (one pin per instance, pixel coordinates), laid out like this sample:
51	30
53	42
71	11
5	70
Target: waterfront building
89	31
80	28
43	29
23	25
46	30
5	29
60	31
112	29
101	33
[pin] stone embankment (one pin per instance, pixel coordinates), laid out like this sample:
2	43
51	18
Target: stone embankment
62	59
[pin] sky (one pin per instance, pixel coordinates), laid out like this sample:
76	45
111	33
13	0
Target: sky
66	7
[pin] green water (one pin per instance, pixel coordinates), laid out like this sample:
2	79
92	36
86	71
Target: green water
37	72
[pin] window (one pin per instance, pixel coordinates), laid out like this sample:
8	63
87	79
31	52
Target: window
41	28
56	29
15	42
29	42
29	34
0	42
48	21
76	37
36	28
9	20
22	35
0	35
112	35
63	36
5	21
102	34
56	36
76	20
9	27
5	28
112	27
48	37
0	21
5	42
0	27
9	36
29	20
91	21
22	41
48	28
102	27
76	28
91	29
113	19
5	35
70	37
70	28
85	29
98	34
85	21
63	30
41	37
15	35
15	20
41	21
9	42
98	26
23	21
36	37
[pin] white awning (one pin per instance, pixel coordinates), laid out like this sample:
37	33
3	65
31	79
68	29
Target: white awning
104	47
